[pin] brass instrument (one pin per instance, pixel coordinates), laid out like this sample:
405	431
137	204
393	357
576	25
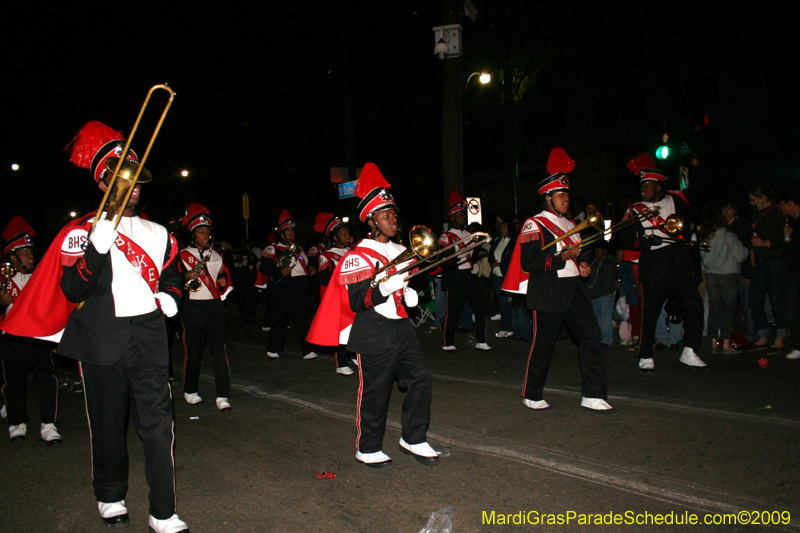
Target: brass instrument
591	239
593	218
673	225
287	259
194	284
119	191
423	244
7	270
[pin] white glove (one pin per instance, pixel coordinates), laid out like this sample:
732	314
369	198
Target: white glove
166	303
103	235
393	284
411	297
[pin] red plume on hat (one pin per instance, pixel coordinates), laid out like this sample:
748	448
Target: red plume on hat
456	203
369	180
93	144
17	235
197	215
644	166
559	162
326	223
285	220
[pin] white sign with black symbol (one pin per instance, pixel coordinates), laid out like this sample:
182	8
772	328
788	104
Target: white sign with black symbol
474	210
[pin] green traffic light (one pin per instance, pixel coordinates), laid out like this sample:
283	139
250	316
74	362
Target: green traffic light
662	152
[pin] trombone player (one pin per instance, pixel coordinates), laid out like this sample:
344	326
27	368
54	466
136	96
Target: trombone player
547	249
665	268
127	280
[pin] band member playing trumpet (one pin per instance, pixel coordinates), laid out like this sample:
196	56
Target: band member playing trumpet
202	315
20	355
333	228
286	265
373	322
556	293
127	280
665	267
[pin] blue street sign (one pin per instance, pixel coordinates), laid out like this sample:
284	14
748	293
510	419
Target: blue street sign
347	189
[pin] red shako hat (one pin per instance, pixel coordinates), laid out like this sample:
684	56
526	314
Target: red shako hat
559	164
197	215
17	235
327	223
373	189
94	144
456	202
285	220
644	166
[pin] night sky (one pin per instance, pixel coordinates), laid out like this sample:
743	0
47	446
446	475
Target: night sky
261	100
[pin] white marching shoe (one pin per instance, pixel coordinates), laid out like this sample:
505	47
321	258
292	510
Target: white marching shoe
309	356
374	460
647	366
18	432
273	355
449	348
689	358
223	404
598	405
422	452
344	370
114	514
172	524
482	346
192	398
4	415
537	405
49	434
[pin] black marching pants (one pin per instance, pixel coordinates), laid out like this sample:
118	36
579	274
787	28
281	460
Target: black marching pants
137	385
288	301
204	322
21	356
582	324
464	287
403	357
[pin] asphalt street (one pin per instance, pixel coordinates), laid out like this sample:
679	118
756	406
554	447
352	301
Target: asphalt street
718	446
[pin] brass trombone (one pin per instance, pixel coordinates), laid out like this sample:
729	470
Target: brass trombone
673	225
128	170
593	218
591	239
423	244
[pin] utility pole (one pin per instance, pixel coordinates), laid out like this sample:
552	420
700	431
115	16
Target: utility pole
452	103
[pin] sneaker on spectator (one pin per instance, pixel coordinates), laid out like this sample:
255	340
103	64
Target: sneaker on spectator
794	354
503	334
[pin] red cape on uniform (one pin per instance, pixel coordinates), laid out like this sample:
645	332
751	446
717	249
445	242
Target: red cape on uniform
42	310
516	280
334	314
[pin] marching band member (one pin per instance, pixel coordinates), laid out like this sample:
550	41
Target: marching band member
127	280
665	268
334	229
202	315
556	293
286	264
374	323
21	355
460	280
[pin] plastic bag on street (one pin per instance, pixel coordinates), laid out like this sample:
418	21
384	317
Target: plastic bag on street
441	521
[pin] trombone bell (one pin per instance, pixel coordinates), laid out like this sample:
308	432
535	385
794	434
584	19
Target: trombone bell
117	198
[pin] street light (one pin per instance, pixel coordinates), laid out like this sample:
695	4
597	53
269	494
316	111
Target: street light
483	77
185	173
14	166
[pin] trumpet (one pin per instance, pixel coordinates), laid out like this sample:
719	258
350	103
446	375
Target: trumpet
119	191
7	270
424	245
194	285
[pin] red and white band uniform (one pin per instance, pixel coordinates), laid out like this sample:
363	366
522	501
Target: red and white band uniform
287	296
203	320
557	295
387	346
119	337
327	264
460	284
22	355
665	271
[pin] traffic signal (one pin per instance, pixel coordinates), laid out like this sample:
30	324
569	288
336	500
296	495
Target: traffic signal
662	152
